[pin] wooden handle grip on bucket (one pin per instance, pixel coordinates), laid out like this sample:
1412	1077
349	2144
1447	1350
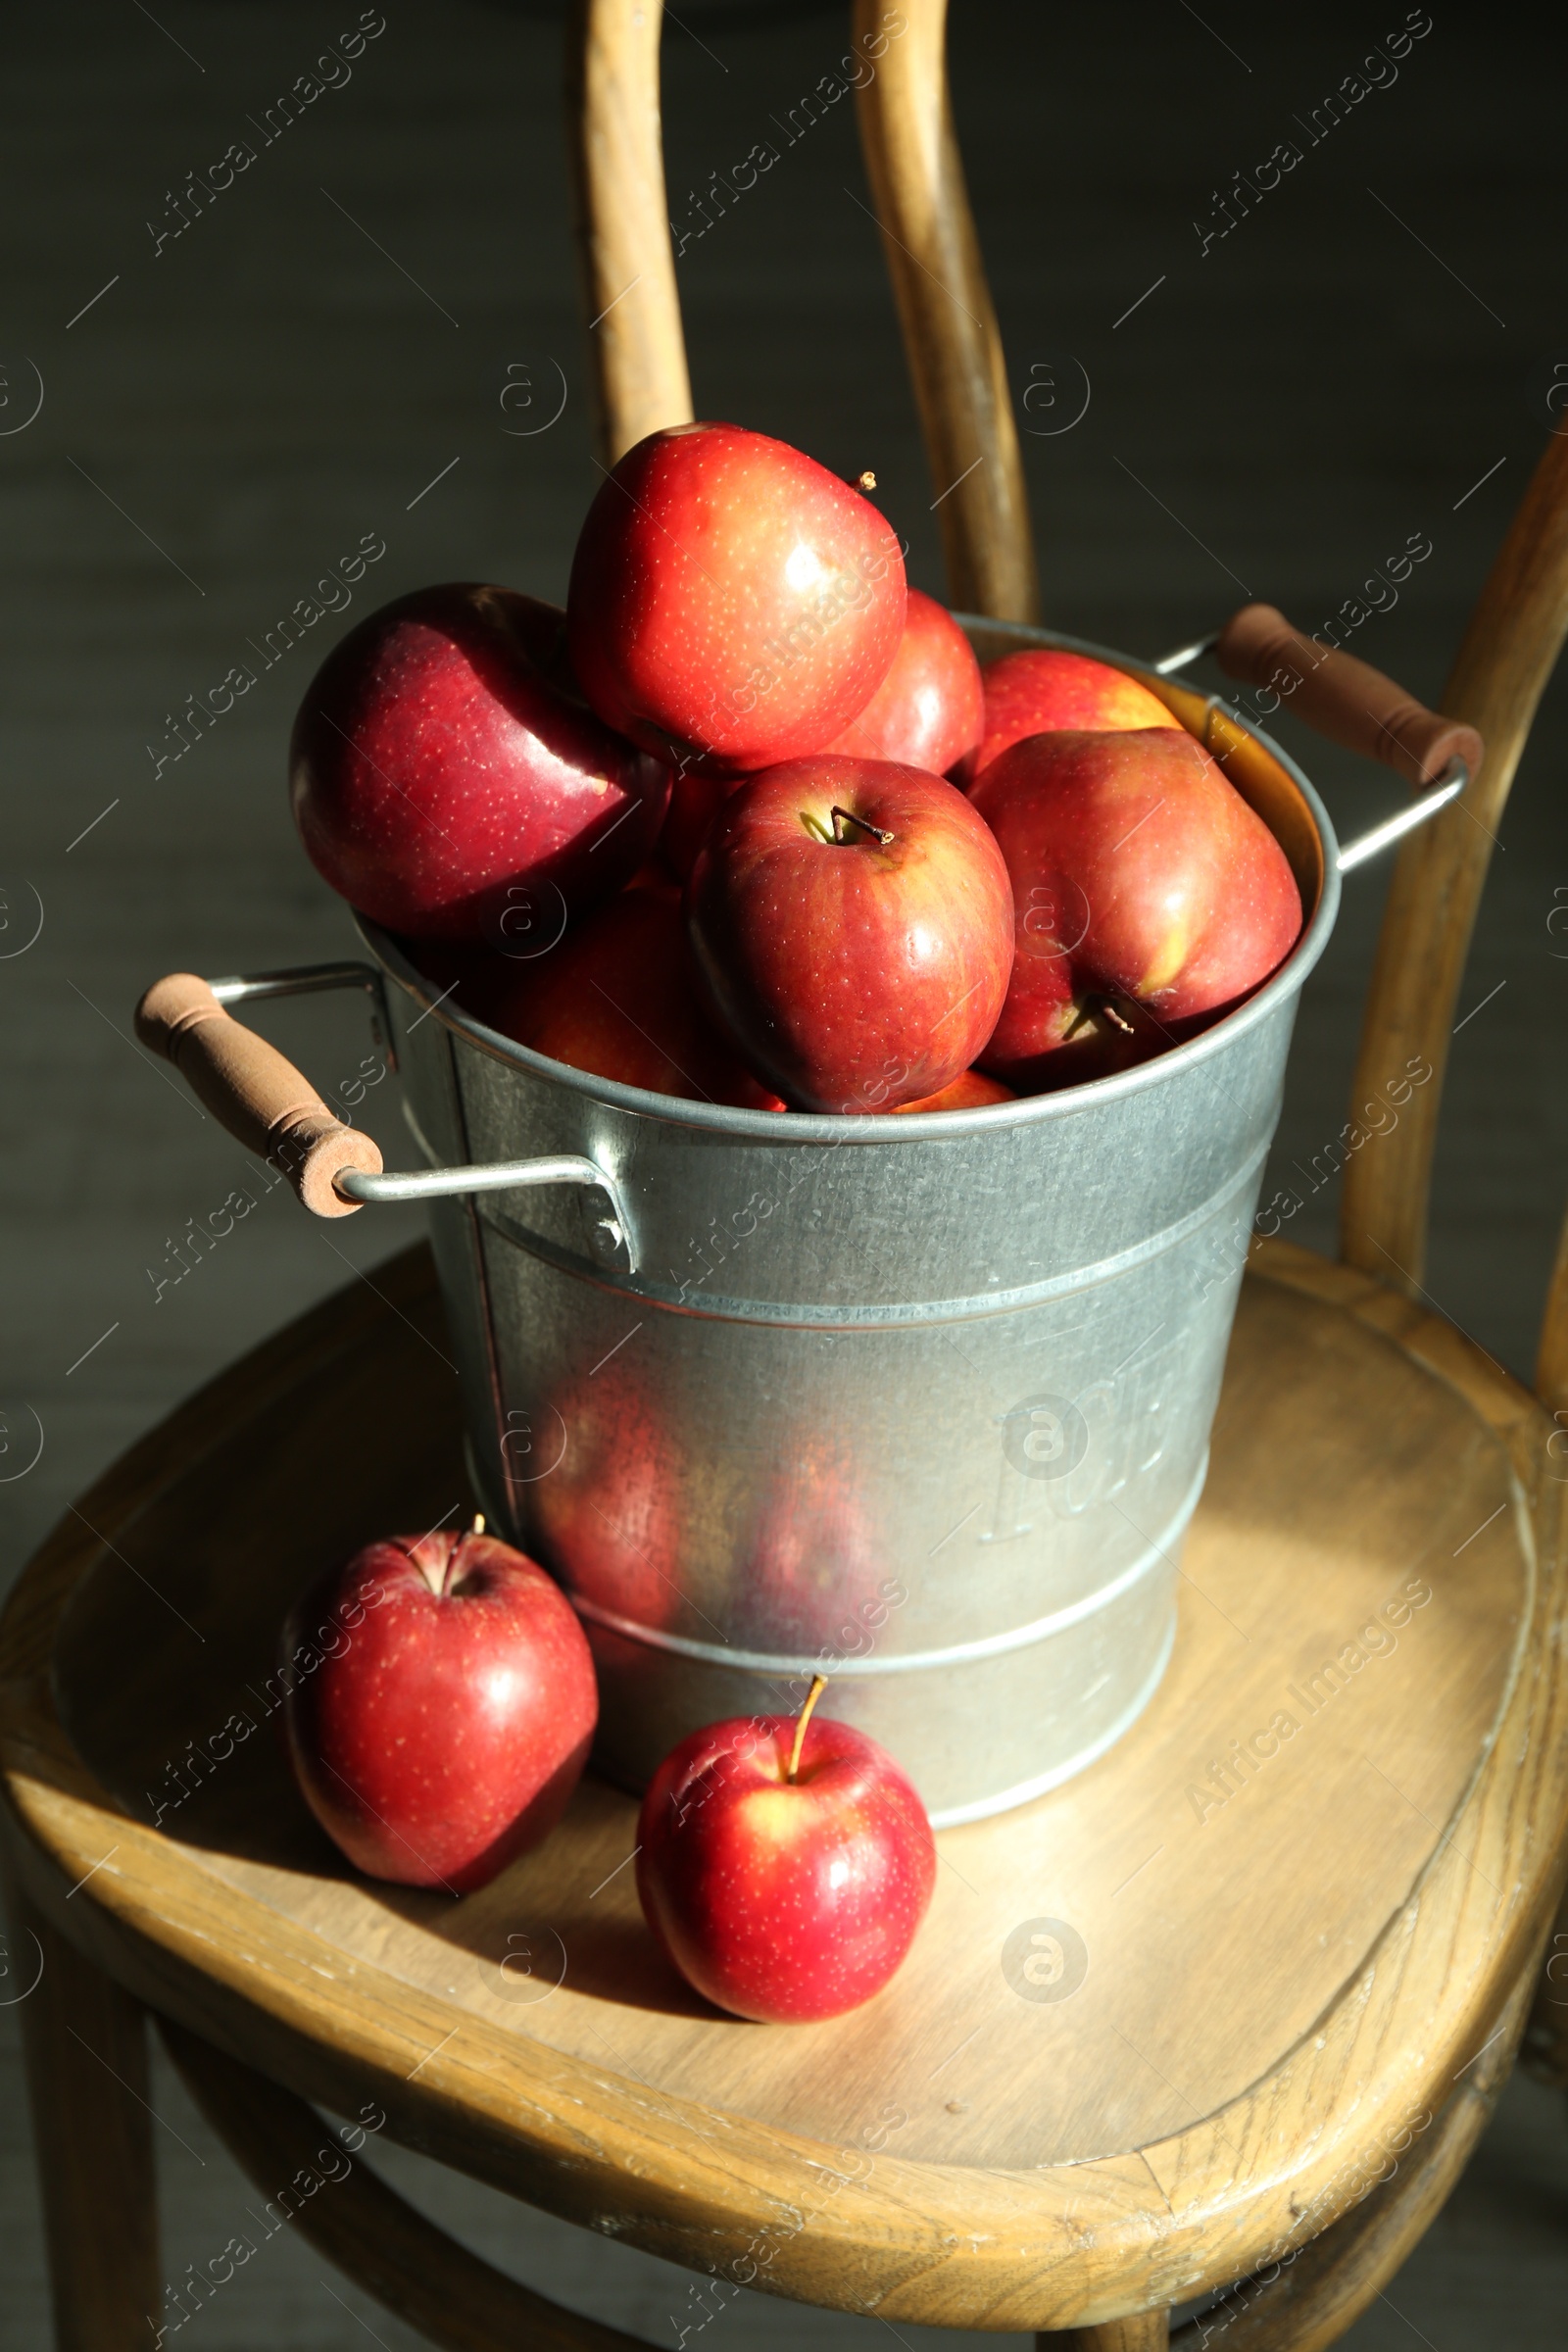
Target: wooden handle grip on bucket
1342	698
254	1092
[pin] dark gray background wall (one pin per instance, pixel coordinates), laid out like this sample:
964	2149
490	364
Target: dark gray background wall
322	354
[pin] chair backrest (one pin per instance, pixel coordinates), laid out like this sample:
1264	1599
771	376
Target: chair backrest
1508	653
954	354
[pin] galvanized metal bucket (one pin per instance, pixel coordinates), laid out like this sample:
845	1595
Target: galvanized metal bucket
922	1404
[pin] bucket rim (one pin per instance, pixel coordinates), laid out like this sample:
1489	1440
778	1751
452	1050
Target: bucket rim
882	1127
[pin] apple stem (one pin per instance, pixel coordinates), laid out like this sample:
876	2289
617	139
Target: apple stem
440	1580
846	817
818	1685
1096	1003
866	482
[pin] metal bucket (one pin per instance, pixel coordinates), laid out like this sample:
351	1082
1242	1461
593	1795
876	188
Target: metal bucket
922	1404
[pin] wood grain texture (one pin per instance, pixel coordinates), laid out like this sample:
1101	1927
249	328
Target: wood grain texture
619	2103
1508	653
637	350
85	2046
1149	2332
951	337
1306	2303
374	2237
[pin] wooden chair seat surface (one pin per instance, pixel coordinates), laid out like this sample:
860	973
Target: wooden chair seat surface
1275	1977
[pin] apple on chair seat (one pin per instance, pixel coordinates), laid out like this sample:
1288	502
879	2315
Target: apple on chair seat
448	1713
785	1865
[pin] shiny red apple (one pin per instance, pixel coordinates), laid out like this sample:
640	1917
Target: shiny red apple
619	997
731	600
971	1089
1045	689
1148	899
440	1708
449	780
785	1875
852	922
929	710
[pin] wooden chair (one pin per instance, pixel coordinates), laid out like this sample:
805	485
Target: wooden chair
1275	1977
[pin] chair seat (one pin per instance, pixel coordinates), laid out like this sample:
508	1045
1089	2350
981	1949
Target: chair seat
1177	2010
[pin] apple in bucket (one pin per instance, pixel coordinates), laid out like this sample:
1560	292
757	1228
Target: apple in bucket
1148	899
444	1733
731	601
927	713
852	923
445	770
929	710
1047	689
619	997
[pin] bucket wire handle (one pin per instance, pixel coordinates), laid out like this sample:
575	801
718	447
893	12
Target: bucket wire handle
1351	702
258	1095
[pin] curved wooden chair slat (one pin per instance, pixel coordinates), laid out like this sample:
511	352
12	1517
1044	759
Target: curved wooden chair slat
84	2041
637	350
951	338
1508	653
372	2234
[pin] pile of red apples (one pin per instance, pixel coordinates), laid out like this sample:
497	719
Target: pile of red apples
747	823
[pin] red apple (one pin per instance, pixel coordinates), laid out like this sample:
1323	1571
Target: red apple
784	1889
929	710
447	779
852	922
731	599
1045	689
619	997
440	1708
1150	898
971	1089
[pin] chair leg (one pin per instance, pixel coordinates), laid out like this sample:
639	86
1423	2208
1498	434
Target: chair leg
1149	2332
85	2046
